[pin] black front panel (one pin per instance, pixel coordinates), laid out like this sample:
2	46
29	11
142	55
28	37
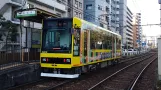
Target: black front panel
57	36
56	60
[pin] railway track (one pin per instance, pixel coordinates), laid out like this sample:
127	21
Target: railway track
133	84
92	78
43	84
148	79
134	58
52	84
125	78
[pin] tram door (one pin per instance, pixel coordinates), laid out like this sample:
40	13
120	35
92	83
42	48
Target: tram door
86	42
113	46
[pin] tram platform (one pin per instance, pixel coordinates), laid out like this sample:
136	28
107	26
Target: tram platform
18	73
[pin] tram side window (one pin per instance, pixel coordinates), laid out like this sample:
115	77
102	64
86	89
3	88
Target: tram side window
105	41
109	41
117	43
93	39
119	47
76	42
96	39
104	44
99	39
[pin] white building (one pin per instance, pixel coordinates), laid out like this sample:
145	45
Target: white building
126	25
30	30
114	16
104	13
129	30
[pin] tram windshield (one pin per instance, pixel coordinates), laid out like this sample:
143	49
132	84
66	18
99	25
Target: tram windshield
57	40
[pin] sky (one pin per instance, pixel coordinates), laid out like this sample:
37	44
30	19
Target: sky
150	15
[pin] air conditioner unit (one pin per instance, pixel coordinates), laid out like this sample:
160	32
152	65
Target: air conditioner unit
58	14
59	1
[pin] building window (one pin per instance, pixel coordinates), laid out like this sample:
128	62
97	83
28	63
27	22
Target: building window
80	15
76	3
89	6
107	18
76	14
80	4
107	1
30	5
107	9
100	7
101	25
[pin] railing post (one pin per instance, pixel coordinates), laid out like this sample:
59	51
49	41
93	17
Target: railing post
28	50
159	58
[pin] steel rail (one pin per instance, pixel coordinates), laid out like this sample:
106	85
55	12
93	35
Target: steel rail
117	73
58	85
25	84
135	80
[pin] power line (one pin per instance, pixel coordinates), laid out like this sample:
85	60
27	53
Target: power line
86	13
149	25
97	18
135	4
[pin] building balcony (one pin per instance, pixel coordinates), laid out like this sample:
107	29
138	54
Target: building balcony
117	6
130	38
117	0
5	4
15	21
17	3
117	19
117	12
129	34
117	25
53	4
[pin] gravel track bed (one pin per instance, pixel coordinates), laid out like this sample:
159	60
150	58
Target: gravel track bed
122	80
45	84
91	77
88	80
148	79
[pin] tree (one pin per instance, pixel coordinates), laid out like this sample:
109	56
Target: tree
7	29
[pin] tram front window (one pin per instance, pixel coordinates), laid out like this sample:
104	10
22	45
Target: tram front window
57	41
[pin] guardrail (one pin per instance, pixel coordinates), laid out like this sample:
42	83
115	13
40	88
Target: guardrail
131	53
15	58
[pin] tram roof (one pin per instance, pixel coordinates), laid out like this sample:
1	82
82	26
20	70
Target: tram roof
99	27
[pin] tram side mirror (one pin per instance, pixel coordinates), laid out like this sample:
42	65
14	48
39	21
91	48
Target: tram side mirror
72	31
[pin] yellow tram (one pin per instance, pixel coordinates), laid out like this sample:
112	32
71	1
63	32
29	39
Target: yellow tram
71	46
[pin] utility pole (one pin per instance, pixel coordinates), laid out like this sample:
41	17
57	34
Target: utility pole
21	40
160	18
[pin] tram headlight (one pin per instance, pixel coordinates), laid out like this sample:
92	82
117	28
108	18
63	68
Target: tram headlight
44	59
67	60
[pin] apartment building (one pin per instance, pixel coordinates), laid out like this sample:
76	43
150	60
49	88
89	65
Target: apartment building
137	30
104	13
125	21
140	36
122	20
96	11
114	16
75	8
129	31
31	30
7	8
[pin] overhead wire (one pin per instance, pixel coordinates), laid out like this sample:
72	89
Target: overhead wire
97	18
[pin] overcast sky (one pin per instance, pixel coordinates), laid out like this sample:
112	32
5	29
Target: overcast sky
150	14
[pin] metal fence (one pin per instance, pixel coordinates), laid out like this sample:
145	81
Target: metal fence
12	58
